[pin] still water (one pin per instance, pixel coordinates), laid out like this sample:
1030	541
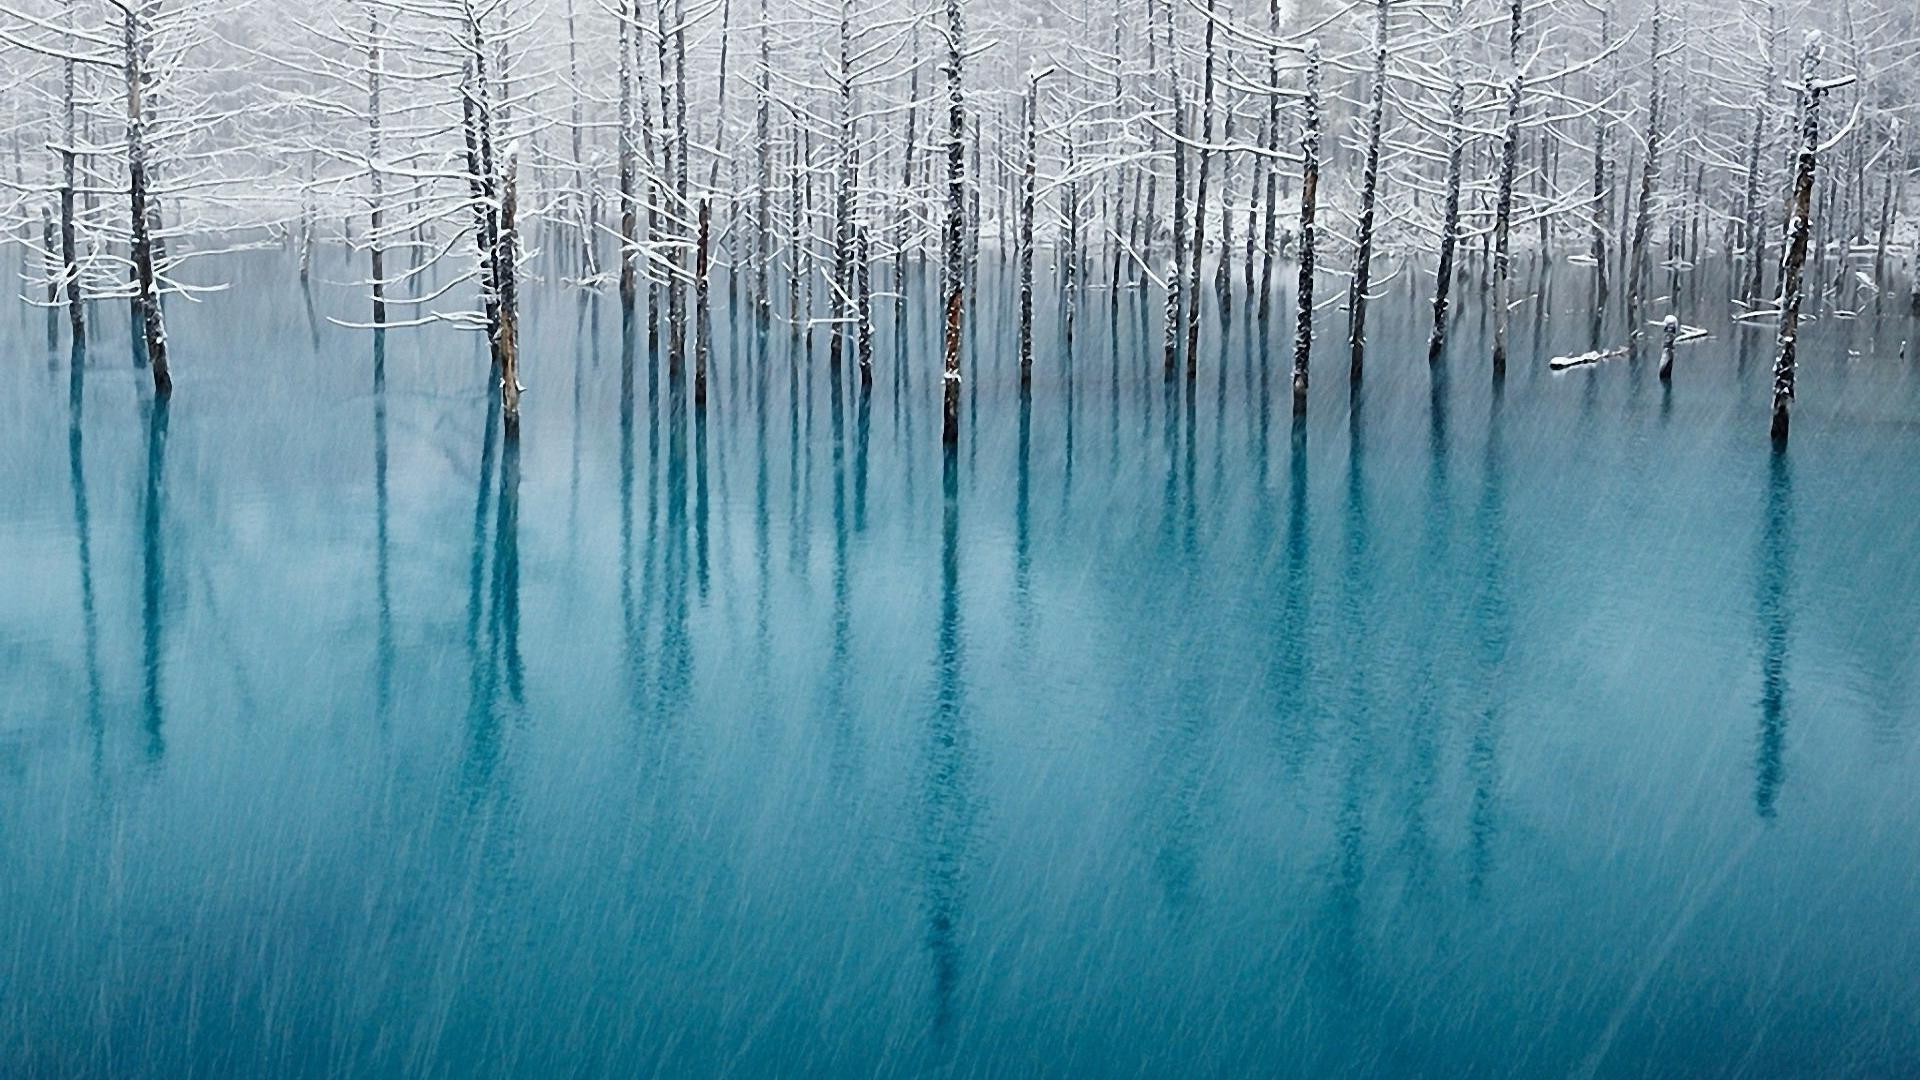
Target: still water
1564	729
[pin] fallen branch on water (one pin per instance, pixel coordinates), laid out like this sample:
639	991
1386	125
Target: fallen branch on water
1562	363
1687	335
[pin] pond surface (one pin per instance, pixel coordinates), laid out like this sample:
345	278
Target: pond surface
1564	729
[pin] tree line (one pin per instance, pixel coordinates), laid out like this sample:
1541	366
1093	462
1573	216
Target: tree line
821	159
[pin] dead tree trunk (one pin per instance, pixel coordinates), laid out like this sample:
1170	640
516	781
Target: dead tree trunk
1176	283
376	195
1223	271
629	18
953	258
1029	166
1117	245
763	207
49	265
1271	234
1602	206
1144	222
583	199
863	280
1913	278
1369	196
1450	218
506	283
146	301
906	194
839	298
654	164
1070	261
1799	226
702	270
1887	200
1255	167
1637	269
1503	227
795	237
480	195
1755	219
307	214
1200	200
69	230
1309	192
676	298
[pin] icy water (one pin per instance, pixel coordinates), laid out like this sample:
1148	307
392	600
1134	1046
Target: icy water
1560	730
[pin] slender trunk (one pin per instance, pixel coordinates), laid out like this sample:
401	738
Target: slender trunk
863	280
971	265
1223	273
1637	269
956	223
1886	223
49	265
1146	214
1070	263
1200	200
1762	159
1793	262
808	237
652	161
1503	227
1270	241
1029	165
1309	192
793	236
629	19
1255	169
1913	280
1752	220
702	269
839	300
506	282
1545	162
763	206
1369	196
1601	208
1119	193
69	230
1176	282
376	195
676	297
720	95
582	200
663	223
307	212
906	193
146	302
1450	219
480	183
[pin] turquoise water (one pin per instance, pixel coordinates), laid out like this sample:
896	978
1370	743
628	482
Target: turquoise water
1566	729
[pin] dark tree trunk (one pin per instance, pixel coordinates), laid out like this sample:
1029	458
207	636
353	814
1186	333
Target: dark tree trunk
146	302
1450	220
1799	225
1309	192
954	255
1369	197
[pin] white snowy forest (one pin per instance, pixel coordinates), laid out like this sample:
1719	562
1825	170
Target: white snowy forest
806	156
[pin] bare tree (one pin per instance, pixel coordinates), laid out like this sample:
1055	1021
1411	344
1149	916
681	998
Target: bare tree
1309	195
1799	227
952	261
